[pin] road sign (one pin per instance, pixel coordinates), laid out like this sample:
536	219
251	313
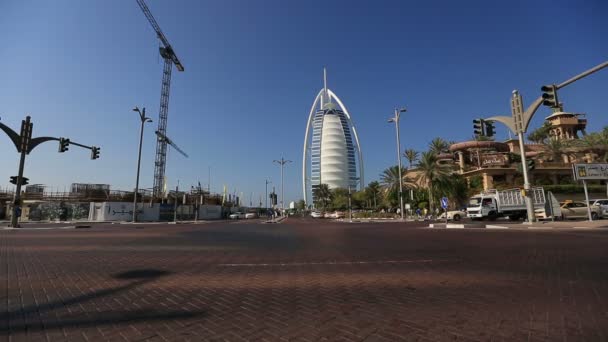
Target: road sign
590	171
444	202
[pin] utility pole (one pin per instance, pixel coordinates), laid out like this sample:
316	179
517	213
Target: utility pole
395	120
267	182
282	163
175	204
143	119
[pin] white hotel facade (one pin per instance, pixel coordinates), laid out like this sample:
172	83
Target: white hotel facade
332	154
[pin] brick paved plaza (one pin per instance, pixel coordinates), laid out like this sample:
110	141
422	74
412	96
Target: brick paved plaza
302	280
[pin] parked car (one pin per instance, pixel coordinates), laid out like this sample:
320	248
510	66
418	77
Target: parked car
603	204
576	209
454	215
237	215
251	215
316	214
339	214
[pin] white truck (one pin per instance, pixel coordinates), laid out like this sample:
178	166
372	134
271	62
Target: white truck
503	203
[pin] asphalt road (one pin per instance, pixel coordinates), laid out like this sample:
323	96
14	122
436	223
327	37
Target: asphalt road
302	280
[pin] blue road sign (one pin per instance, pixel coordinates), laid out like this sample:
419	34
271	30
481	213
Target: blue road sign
444	202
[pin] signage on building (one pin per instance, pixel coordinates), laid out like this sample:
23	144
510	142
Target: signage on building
494	159
590	171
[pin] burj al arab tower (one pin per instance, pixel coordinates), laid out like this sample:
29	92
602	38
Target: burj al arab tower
332	154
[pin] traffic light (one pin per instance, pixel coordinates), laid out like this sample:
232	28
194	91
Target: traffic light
63	144
24	180
531	164
490	128
94	152
479	127
550	96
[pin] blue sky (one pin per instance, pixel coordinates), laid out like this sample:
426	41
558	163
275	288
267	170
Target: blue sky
254	67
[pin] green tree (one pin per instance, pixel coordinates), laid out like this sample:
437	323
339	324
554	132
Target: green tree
540	134
372	192
411	155
430	172
553	149
360	200
389	179
322	195
438	146
596	143
339	199
301	205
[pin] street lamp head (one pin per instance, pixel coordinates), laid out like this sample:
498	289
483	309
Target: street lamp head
136	109
148	120
403	110
391	120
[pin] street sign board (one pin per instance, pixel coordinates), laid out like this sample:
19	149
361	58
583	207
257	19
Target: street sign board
408	206
444	202
590	171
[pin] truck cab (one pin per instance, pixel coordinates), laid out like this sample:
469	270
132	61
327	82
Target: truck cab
482	205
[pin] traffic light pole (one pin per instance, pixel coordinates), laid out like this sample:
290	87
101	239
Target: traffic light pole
25	144
524	167
17	197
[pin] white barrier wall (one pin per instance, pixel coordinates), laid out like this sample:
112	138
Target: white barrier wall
123	211
210	212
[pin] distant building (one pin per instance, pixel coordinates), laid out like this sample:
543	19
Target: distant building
497	164
333	152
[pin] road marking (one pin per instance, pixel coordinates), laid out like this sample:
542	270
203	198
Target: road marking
38	228
489	226
336	263
450	225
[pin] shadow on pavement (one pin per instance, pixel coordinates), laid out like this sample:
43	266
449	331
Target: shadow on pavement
23	317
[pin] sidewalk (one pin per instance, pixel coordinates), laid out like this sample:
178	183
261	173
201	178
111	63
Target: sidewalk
599	224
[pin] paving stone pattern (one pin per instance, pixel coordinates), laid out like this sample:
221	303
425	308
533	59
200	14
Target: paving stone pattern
302	280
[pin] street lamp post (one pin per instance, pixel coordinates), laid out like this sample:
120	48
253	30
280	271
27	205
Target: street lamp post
267	182
395	120
282	163
143	119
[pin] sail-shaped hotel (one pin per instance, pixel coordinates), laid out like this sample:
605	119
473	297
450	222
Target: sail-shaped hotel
332	154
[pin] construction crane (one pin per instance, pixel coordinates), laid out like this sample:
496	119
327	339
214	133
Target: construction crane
165	139
167	53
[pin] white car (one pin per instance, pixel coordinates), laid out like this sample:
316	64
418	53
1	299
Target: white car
237	215
251	215
453	215
316	214
602	203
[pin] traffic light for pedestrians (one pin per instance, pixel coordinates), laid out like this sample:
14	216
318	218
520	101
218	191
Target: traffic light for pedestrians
478	127
14	180
490	128
550	96
94	152
531	164
63	144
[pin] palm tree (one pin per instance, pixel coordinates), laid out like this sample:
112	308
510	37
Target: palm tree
596	143
438	146
389	179
372	192
554	149
322	195
431	172
411	155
